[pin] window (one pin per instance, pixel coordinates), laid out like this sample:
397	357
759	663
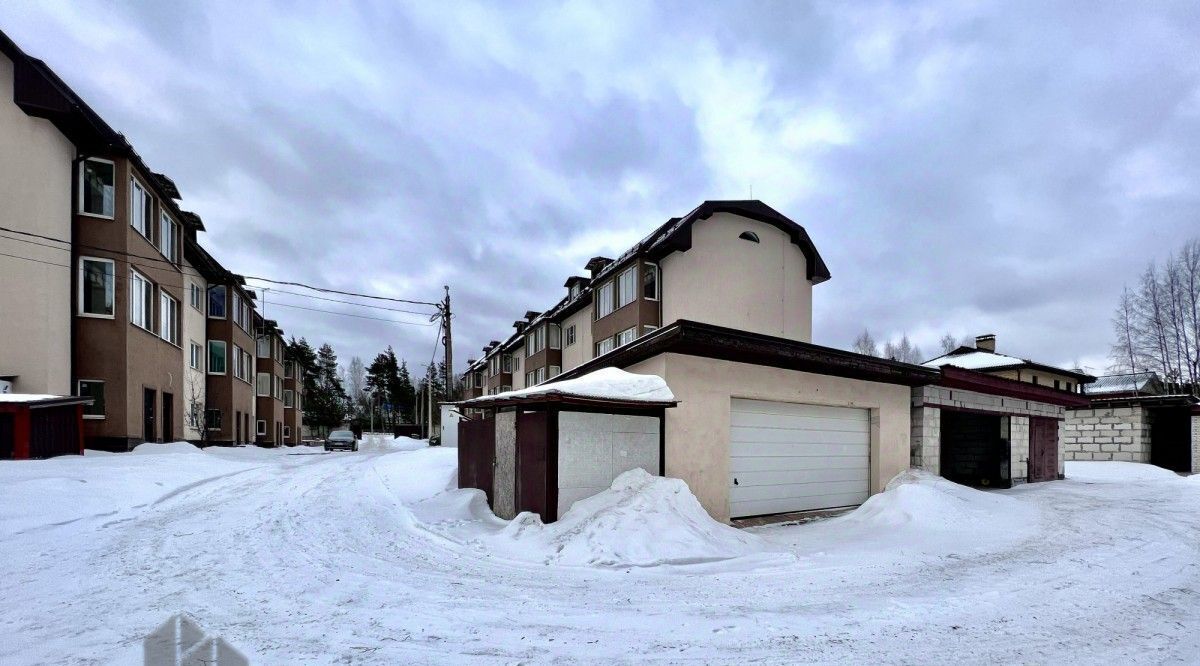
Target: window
97	188
287	370
248	366
240	369
195	415
212	419
530	378
604	346
237	310
279	349
554	371
604	300
196	356
194	296
168	237
246	320
141	208
141	301
554	336
1056	384
535	341
264	384
516	362
168	318
91	388
650	282
278	388
216	357
289	398
626	336
216	301
506	363
505	389
1070	387
262	428
287	432
647	329
263	347
574	291
748	236
571	335
97	287
625	286
539	375
1035	379
478	379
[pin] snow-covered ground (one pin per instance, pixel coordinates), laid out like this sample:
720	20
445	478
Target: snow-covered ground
299	556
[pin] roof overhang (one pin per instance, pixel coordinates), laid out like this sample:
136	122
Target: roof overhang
717	342
980	382
1175	400
561	400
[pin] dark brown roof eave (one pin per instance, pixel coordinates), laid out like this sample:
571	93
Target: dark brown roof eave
717	342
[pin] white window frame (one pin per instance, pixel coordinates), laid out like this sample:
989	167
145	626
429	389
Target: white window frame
208	364
289	369
570	336
630	333
604	346
604	300
553	336
93	417
627	281
165	221
259	343
657	282
135	298
237	310
553	371
168	316
196	296
208	301
289	398
261	428
258	385
80	287
146	230
249	363
287	432
195	355
79	203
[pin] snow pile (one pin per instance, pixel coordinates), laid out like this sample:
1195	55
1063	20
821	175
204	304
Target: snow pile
385	442
152	449
929	502
605	383
640	521
26	397
1093	471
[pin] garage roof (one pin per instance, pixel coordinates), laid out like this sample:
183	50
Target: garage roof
606	386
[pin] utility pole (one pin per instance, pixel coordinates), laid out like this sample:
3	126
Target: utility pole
429	411
449	343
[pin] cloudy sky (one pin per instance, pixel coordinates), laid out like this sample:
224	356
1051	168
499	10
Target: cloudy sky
966	167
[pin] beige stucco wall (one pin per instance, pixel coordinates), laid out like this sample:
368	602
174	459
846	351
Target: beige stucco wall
35	298
518	375
1044	378
580	352
723	280
697	437
195	329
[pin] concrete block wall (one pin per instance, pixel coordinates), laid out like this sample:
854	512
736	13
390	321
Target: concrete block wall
940	396
1110	433
926	439
1196	444
504	498
1018	443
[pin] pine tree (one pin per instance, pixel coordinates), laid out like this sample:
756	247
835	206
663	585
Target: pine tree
406	394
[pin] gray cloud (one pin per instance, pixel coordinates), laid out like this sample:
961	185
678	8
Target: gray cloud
998	166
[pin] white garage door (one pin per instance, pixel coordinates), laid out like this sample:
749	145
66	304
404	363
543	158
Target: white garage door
792	457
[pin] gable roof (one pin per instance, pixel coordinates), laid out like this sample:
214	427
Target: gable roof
971	358
1136	382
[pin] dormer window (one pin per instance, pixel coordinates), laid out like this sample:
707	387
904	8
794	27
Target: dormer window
749	236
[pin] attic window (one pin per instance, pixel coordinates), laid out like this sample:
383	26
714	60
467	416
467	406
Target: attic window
749	235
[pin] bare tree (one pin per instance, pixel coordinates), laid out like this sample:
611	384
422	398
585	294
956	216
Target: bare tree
904	351
356	381
196	408
948	343
865	344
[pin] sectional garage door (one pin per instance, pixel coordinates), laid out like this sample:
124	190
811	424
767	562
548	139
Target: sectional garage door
793	457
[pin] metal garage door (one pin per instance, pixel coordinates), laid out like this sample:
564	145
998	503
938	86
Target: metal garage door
792	457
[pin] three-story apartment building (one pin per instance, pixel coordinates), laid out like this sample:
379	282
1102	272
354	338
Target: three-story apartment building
293	399
268	384
719	304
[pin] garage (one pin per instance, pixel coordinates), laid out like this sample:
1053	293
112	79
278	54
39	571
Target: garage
787	457
975	450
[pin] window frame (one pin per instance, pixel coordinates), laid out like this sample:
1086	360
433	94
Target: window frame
259	341
103	401
165	221
600	300
194	296
167	305
195	355
569	336
657	281
148	232
260	429
632	334
80	288
224	289
79	207
632	274
597	345
289	396
258	387
225	358
151	320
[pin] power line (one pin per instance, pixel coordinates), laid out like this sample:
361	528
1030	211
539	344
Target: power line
335	300
343	293
349	314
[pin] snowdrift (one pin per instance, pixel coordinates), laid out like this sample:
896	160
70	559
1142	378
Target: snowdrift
153	449
1090	471
929	502
385	442
640	521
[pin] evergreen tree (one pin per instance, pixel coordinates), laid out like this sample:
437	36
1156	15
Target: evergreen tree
328	402
406	394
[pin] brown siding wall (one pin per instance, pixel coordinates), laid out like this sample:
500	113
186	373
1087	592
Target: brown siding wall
641	312
226	392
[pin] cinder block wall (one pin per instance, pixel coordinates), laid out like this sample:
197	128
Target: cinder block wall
1018	443
1111	433
926	439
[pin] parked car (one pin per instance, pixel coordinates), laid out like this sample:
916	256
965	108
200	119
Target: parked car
341	439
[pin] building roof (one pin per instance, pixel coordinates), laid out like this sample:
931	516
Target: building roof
605	386
1135	382
717	342
957	378
38	400
972	358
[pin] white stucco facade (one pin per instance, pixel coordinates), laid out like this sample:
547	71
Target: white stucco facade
35	291
580	351
760	287
195	326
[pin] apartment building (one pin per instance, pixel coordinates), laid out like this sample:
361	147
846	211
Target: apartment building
718	303
117	300
40	135
270	347
293	399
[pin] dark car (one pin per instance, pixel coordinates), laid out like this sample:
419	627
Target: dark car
341	439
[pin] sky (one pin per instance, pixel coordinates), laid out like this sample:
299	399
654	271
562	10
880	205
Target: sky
963	167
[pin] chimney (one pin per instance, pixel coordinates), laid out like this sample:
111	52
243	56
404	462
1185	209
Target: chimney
986	342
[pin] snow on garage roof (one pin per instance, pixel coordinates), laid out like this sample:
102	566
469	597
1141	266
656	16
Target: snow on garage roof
26	397
611	384
1129	383
978	360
